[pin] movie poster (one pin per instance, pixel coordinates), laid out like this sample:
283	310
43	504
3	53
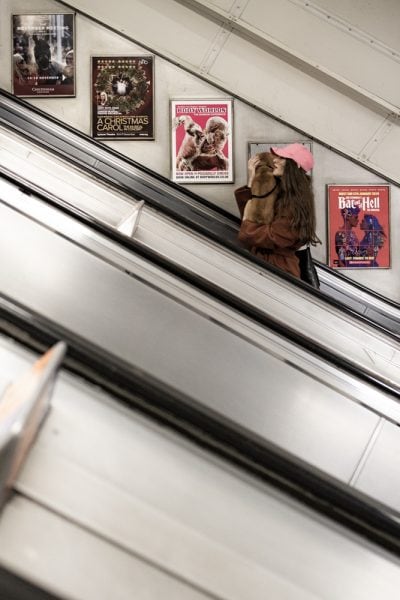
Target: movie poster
123	97
358	226
43	55
201	135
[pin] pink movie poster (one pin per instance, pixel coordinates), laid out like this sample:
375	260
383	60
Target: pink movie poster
201	135
358	226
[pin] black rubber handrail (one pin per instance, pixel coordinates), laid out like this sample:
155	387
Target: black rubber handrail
357	286
141	391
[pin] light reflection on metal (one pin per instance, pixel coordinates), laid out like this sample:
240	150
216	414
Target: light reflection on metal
130	223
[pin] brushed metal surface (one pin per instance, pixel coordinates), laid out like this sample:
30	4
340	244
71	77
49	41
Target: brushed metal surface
217	368
380	476
327	325
72	562
110	505
364	346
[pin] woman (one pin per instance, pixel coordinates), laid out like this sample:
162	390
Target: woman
293	223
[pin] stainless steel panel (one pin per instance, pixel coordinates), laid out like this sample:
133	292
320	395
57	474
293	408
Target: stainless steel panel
110	505
223	371
380	476
376	308
76	564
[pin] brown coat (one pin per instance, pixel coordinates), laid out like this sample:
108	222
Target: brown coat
275	243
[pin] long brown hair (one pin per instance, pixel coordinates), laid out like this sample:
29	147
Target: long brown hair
296	200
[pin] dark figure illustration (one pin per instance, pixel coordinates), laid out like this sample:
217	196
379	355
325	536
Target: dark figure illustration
48	72
211	155
21	46
373	240
190	147
346	240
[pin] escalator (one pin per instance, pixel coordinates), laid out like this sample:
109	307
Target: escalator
166	202
245	371
331	327
130	490
199	446
69	265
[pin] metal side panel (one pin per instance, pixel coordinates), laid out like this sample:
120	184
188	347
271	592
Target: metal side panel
328	287
24	406
380	473
46	171
69	561
362	301
220	370
279	298
111	505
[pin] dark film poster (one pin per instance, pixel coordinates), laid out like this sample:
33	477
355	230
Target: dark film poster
43	55
123	97
358	226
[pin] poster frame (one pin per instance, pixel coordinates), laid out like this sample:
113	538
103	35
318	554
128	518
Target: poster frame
373	211
138	114
40	89
223	108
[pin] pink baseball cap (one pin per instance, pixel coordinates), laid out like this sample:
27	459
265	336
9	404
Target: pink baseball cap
297	152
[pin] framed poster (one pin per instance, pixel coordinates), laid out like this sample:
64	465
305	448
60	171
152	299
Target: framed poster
257	147
43	55
358	226
123	97
201	141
